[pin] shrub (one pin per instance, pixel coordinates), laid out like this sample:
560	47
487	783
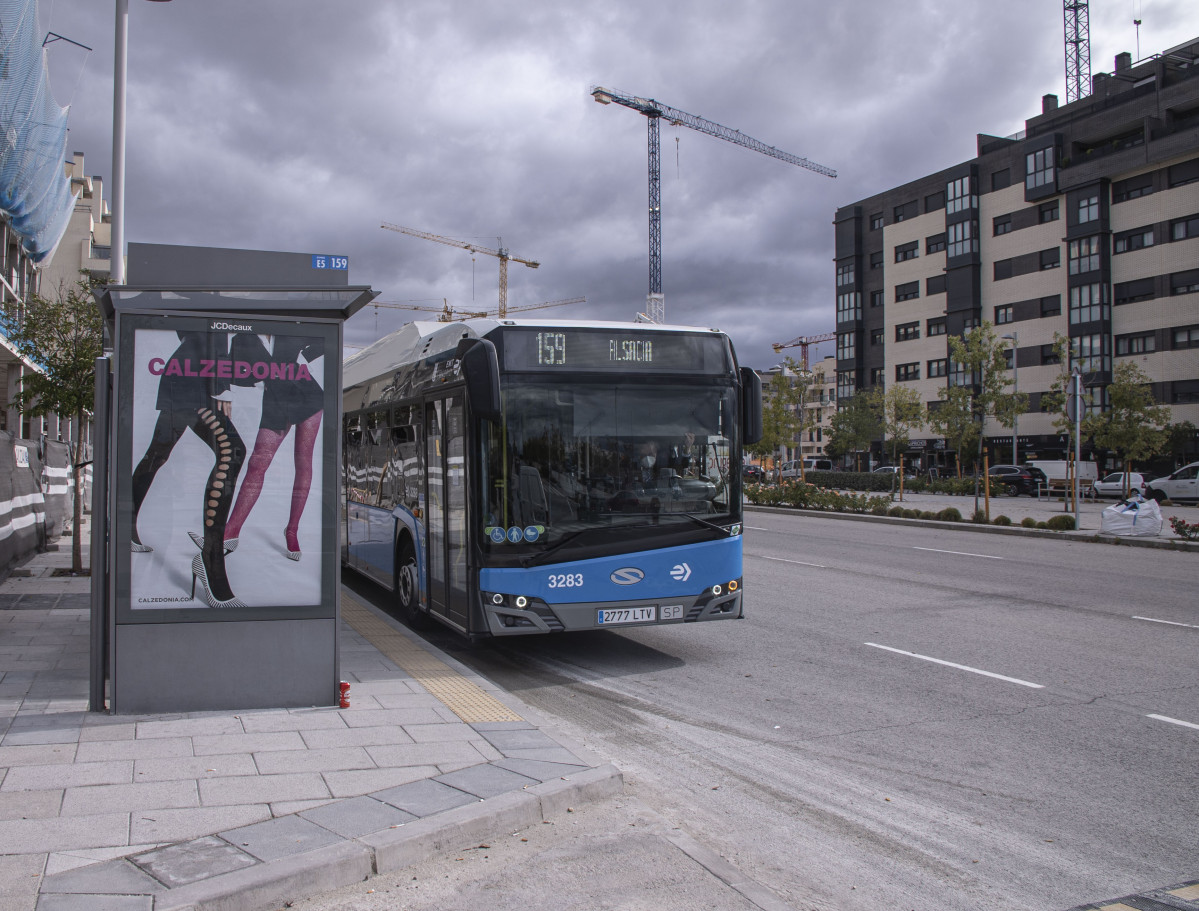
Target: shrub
949	514
1028	522
1188	531
1061	523
896	512
927	514
980	517
1001	520
879	510
1042	525
911	513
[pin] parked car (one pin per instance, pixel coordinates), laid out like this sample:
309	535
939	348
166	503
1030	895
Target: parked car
790	470
893	469
753	473
1113	484
1014	480
1181	486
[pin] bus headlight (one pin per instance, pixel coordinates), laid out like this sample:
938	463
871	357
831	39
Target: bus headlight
497	598
733	586
717	589
522	602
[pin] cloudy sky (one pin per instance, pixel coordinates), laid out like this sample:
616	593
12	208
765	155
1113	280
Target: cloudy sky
300	125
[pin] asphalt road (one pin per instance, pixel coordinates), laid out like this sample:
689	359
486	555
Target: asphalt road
909	717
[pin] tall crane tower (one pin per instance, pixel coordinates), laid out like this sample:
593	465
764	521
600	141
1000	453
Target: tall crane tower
654	111
1078	49
802	342
502	253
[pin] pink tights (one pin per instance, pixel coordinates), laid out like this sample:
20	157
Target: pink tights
265	446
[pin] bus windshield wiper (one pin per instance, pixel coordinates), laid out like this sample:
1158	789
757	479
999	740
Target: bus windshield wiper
702	521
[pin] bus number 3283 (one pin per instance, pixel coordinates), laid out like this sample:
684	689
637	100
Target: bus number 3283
566	580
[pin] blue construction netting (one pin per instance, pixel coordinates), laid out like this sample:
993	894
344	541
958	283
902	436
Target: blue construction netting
35	192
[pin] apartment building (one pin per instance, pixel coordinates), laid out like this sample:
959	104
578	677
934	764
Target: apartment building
85	244
820	407
1084	224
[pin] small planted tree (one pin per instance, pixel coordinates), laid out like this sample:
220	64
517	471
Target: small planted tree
955	420
62	334
1135	425
899	411
854	426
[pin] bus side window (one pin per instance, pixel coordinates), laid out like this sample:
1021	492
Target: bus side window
355	465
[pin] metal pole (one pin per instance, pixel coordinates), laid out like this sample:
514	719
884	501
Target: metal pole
1077	440
1016	391
120	61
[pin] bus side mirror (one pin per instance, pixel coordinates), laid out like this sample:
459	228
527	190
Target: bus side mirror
751	406
481	368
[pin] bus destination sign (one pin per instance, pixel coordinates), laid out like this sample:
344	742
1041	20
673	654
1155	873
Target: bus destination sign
566	349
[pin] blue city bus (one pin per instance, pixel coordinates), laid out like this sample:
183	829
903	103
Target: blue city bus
511	477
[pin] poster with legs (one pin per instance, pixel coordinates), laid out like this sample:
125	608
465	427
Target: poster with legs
227	468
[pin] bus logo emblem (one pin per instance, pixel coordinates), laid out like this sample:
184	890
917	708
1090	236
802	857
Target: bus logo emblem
627	576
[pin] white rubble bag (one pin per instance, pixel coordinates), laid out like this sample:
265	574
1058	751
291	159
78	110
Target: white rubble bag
1135	516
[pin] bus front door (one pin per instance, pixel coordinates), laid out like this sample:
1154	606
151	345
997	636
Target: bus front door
445	423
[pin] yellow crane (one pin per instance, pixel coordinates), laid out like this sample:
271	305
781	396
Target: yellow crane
502	253
447	314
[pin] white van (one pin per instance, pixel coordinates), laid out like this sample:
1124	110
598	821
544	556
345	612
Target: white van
790	470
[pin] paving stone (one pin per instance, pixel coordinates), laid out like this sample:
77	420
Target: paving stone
37	836
357	816
486	780
191	861
542	771
155	748
419	754
355	737
331	760
530	739
246	743
95	903
112	798
30	804
216	792
207	726
32	778
281	837
366	781
99	732
111	877
441	732
194	767
291	721
62	861
424	797
163	826
557	754
378	717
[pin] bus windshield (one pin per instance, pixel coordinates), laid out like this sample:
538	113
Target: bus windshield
576	456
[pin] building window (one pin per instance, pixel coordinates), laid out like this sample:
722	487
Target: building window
1084	255
1002	269
1051	306
906	211
876	221
1141	343
1186	338
960	195
906	332
1088	303
877	376
1180	174
1038	169
1092	353
935	326
1003	314
876	336
846	347
907	291
1001	179
963	238
1088	209
907	251
1182	228
1051	259
876	260
1096	400
1049	355
846	383
845	274
1132	188
960	376
934	244
938	368
970	322
907	372
934	201
1137	239
1047	212
1142	289
849	307
1184	282
876	298
1001	224
934	284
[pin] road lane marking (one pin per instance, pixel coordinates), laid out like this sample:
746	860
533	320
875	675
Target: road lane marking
960	667
796	562
1185	724
959	553
756	528
1169	622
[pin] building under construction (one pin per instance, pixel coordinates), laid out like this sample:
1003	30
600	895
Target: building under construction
1084	224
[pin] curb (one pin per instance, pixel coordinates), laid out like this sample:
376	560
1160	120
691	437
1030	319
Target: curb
1092	537
272	885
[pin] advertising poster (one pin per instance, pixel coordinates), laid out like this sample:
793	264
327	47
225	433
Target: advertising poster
228	453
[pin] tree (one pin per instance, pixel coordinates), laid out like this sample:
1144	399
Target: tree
1179	438
63	335
955	420
1135	425
980	353
785	411
853	426
775	417
899	411
1054	401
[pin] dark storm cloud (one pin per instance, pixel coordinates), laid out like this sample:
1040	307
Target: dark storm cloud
302	126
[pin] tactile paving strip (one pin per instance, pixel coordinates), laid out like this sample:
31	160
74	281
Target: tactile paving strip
461	696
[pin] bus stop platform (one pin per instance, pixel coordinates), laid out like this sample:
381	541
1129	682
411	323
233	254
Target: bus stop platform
252	809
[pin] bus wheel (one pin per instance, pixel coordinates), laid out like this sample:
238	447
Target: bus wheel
408	586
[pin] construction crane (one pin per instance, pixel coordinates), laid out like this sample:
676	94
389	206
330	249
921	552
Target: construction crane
655	111
446	314
1078	48
502	253
802	342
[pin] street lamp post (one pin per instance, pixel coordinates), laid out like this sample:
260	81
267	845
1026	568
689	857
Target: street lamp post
1015	389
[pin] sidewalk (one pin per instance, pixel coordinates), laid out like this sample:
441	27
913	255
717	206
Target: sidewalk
252	809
